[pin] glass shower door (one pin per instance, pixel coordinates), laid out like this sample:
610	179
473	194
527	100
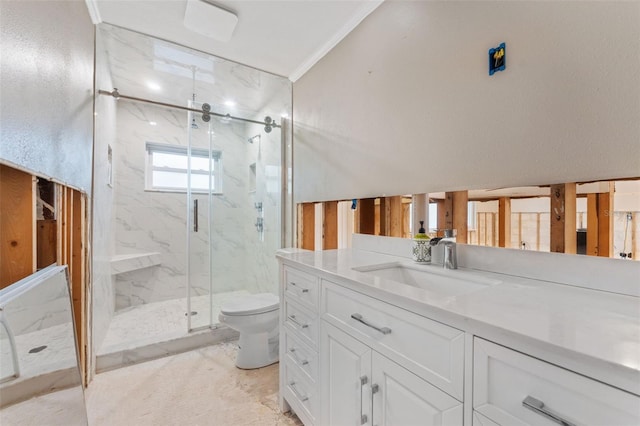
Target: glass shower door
202	172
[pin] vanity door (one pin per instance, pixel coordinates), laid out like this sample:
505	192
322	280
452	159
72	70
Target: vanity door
402	398
345	365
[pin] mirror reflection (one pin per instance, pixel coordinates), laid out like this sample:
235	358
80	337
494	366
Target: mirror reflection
38	352
595	218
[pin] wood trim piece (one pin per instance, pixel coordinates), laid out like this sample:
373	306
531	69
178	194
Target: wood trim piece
391	216
460	215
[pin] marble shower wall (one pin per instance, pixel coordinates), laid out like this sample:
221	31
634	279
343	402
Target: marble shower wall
150	221
103	244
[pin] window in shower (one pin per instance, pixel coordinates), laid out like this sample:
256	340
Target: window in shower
168	165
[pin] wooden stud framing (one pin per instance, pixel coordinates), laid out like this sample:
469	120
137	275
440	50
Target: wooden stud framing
391	216
442	216
455	213
504	222
46	242
329	225
563	218
17	225
306	226
592	224
365	216
605	223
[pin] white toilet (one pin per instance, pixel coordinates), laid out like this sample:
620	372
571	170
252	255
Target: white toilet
256	318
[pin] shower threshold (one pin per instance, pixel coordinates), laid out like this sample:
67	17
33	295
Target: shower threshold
154	330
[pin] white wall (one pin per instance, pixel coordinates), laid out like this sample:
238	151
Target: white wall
404	104
47	89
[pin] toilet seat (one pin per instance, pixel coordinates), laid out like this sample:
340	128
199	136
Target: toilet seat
251	305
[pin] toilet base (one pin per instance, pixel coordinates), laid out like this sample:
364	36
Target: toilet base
257	350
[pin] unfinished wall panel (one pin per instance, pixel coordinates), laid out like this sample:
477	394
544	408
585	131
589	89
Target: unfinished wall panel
306	226
17	225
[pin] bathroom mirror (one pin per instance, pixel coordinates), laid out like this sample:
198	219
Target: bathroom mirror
606	221
40	381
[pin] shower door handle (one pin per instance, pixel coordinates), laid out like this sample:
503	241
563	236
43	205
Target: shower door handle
195	215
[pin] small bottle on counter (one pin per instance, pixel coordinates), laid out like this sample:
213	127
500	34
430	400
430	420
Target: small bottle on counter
421	247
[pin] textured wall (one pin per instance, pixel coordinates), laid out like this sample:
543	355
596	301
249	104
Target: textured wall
47	89
404	104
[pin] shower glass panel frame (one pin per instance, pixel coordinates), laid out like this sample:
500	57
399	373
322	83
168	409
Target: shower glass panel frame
199	207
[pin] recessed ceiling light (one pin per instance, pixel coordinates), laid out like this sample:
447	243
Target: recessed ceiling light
153	123
153	86
230	103
209	20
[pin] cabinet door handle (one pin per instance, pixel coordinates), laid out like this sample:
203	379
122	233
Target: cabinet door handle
298	394
304	290
383	330
538	406
293	319
363	417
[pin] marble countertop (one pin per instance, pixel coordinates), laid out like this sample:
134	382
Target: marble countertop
592	332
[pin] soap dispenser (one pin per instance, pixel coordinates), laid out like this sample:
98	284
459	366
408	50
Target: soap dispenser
421	247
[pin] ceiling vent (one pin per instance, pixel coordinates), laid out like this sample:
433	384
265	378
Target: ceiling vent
209	20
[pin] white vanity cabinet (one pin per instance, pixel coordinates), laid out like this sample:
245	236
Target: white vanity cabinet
299	328
511	388
380	364
351	359
362	387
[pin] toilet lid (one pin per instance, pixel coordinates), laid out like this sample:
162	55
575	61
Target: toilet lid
251	304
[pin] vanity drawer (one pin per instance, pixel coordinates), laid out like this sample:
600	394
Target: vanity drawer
302	356
302	287
504	379
301	322
301	394
429	349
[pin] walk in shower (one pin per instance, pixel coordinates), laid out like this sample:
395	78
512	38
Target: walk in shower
190	204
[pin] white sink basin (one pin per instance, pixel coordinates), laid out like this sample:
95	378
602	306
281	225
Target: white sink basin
430	277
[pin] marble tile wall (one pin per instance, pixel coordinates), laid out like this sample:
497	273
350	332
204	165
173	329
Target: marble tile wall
157	221
103	241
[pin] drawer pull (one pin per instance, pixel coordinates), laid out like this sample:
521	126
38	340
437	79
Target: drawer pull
304	290
293	319
538	406
383	330
298	394
303	362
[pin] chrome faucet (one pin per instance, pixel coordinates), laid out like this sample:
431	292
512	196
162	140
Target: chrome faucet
450	253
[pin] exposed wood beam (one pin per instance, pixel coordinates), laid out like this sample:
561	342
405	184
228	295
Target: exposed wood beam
365	216
306	226
329	225
563	218
391	216
592	224
504	222
605	222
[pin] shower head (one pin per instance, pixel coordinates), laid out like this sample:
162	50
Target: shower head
253	138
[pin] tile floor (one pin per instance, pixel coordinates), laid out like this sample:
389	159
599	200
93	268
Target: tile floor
200	387
158	322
